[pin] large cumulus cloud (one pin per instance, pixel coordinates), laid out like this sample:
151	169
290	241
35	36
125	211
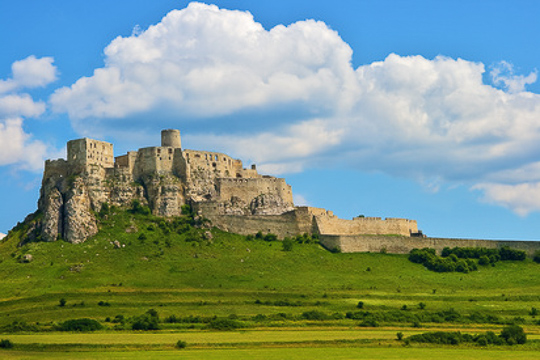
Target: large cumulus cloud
408	116
17	147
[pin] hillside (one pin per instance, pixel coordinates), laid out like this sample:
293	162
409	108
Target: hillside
185	271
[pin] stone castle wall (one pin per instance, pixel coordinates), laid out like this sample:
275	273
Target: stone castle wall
404	244
328	224
247	189
219	164
283	225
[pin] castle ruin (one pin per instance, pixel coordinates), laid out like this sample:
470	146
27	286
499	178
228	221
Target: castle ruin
217	186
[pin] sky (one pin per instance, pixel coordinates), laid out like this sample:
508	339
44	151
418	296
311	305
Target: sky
427	110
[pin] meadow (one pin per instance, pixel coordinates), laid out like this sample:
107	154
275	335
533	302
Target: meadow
306	302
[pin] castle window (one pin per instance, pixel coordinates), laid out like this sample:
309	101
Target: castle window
159	151
214	164
216	157
170	151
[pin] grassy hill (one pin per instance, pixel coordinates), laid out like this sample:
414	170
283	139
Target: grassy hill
193	278
184	271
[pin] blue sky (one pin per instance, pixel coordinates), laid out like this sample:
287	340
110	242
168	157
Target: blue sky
427	110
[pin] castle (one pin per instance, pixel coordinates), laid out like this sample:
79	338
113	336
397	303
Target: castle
218	187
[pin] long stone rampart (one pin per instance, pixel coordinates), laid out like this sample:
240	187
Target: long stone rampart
404	244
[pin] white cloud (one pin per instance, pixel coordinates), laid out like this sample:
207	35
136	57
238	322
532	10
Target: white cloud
30	73
203	61
219	73
502	74
16	146
521	198
2	236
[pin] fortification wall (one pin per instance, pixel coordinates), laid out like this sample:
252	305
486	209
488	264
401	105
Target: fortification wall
220	164
126	161
333	225
404	244
282	225
247	189
55	169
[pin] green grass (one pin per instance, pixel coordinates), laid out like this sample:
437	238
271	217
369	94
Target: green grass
289	353
230	275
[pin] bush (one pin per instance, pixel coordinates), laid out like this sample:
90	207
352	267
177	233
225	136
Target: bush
360	305
287	244
18	326
181	344
369	323
80	325
483	260
270	237
62	302
536	256
314	315
137	208
399	336
6	344
225	324
513	335
509	254
147	321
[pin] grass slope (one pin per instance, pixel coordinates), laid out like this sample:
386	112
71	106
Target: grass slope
183	274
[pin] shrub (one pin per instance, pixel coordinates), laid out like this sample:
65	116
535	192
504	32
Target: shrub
270	237
421	306
483	260
137	208
369	323
314	315
399	336
360	305
62	302
225	324
510	254
80	325
18	326
287	244
181	344
536	256
513	335
147	321
6	344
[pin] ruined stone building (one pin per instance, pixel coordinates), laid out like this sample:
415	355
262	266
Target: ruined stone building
165	177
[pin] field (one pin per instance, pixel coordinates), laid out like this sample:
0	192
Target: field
303	303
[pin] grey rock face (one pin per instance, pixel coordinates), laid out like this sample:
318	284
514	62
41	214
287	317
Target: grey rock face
53	222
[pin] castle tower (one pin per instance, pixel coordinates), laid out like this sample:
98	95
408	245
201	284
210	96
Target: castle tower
171	137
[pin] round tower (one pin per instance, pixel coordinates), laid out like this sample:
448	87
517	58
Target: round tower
171	137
